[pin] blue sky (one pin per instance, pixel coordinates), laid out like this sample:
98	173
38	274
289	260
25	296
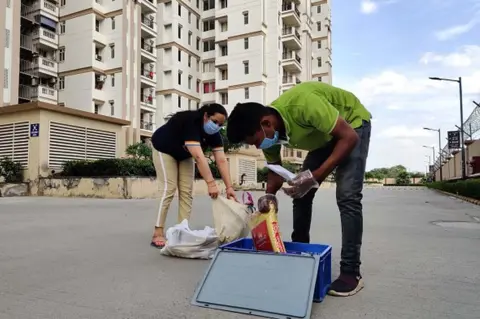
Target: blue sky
385	50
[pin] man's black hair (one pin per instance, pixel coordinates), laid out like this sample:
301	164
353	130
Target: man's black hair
244	121
213	108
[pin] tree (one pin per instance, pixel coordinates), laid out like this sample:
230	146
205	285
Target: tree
139	150
403	178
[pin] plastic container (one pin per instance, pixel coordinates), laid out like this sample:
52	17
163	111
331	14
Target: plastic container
324	276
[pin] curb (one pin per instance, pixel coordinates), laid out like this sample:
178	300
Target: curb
466	199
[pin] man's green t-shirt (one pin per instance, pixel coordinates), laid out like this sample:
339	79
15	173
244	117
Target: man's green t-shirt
310	111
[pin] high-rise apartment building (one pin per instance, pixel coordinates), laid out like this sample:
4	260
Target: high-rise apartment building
140	61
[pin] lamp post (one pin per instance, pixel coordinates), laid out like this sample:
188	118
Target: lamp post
459	81
439	148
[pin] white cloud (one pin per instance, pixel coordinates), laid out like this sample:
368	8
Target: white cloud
454	31
368	6
403	100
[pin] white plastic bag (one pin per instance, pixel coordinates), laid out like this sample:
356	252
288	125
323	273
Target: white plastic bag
230	219
187	243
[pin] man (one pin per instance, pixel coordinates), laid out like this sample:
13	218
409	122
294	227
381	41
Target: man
334	127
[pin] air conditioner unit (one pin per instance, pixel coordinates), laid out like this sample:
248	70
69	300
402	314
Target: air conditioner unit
98	57
53	80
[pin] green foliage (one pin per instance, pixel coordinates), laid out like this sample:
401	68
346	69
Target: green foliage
468	188
403	178
139	150
227	146
11	171
213	168
262	173
109	168
382	173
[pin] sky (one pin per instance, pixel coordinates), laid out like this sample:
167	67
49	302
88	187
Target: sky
385	50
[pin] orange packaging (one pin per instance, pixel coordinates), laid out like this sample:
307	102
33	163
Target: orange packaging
265	231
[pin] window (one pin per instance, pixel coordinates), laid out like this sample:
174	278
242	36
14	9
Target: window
112	77
224	74
179	31
246	67
198	43
198	4
112	51
198	86
189	17
189	37
208	5
319	9
209	25
247	93
319	62
97	25
198	23
179	10
62	27
208	87
5	78
224	98
61	54
179	102
7	38
319	79
95	109
113	23
208	45
112	108
208	67
245	17
224	50
224	26
189	60
198	64
8	3
179	55
179	77
189	82
223	4
319	26
62	2
319	44
61	83
245	43
198	105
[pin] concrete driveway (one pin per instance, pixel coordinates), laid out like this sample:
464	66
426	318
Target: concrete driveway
89	258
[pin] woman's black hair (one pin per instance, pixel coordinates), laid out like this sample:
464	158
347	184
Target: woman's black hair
212	109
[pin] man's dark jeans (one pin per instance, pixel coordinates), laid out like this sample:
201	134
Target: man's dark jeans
349	179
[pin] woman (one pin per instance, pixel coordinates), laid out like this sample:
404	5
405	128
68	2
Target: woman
179	143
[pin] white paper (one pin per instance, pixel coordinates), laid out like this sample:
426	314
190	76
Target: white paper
282	171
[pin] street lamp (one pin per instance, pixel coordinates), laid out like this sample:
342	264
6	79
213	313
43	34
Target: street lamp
459	81
439	147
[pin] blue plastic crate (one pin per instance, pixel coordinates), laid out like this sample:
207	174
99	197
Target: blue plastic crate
324	277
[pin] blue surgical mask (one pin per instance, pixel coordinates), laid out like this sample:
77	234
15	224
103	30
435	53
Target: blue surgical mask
211	128
269	142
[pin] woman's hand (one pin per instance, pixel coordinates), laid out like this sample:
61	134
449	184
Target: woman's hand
212	189
231	193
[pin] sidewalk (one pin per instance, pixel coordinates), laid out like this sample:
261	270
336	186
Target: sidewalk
90	258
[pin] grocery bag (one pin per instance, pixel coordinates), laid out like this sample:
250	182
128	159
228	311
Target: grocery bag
265	231
181	241
230	219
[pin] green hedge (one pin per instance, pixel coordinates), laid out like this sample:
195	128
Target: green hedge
119	167
468	188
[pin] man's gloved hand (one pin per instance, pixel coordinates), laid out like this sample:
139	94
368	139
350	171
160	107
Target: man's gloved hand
264	203
301	184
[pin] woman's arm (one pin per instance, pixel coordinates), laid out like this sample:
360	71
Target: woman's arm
222	165
202	163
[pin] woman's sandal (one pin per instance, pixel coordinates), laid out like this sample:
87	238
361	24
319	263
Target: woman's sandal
158	243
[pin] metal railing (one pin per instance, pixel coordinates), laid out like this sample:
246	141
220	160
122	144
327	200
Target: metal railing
144	125
291	31
148	73
148	99
147	47
26	42
290	6
25	92
287	79
50	6
291	55
149	22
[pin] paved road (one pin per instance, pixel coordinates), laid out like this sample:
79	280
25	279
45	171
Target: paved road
89	258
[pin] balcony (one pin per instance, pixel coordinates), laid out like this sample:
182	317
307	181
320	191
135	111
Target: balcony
147	101
149	27
28	68
45	38
44	94
290	14
147	125
46	66
47	8
148	6
148	78
28	13
289	80
148	52
291	62
291	38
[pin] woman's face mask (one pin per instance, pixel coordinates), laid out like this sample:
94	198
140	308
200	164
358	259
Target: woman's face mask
211	127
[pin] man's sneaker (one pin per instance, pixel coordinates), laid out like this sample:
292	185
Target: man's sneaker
346	285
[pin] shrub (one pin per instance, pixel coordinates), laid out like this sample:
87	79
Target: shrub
262	175
11	171
468	188
213	168
139	150
109	168
403	178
